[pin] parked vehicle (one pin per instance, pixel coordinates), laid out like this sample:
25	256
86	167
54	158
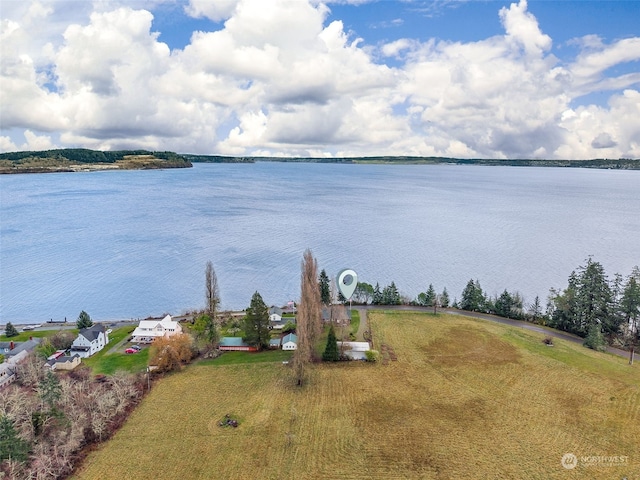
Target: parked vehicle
136	347
131	350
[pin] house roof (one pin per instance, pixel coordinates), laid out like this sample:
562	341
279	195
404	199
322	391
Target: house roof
93	332
24	346
276	310
65	359
291	337
166	323
274	341
232	342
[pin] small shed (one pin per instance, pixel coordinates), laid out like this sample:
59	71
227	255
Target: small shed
65	362
274	343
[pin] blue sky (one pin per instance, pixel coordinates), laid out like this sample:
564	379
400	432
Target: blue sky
500	79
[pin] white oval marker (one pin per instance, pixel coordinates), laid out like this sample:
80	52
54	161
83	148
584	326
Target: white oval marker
347	282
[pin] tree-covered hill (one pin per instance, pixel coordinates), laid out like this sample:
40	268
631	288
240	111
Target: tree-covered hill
82	159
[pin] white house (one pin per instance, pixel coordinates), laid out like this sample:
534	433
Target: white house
148	330
290	342
89	341
354	350
275	314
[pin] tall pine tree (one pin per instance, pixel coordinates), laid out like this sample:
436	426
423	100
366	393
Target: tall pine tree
325	289
256	323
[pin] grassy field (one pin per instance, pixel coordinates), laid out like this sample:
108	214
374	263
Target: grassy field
464	399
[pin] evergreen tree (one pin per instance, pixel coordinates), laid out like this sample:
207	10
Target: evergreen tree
10	330
564	307
256	323
390	295
84	320
503	305
595	299
630	301
376	298
595	339
430	296
535	310
630	310
12	447
473	298
50	390
444	298
331	352
325	289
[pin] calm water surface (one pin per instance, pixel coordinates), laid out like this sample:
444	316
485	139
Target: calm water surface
135	243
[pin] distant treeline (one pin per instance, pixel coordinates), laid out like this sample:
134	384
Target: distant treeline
605	163
216	159
172	159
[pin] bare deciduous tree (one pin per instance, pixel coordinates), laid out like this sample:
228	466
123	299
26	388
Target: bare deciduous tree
309	318
212	291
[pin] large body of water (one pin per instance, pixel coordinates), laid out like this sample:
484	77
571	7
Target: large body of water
135	243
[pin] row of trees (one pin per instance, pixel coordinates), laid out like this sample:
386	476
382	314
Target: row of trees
507	304
596	307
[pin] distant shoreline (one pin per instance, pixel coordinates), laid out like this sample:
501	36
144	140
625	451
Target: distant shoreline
85	160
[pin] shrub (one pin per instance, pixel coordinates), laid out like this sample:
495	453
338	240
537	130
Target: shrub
372	355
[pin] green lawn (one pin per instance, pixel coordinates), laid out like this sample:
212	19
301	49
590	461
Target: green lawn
355	321
234	358
24	336
108	362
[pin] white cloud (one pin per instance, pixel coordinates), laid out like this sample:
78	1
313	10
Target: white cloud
277	79
32	142
522	28
216	11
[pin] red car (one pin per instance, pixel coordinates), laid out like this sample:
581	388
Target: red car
131	350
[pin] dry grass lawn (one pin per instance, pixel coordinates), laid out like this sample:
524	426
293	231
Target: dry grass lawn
465	399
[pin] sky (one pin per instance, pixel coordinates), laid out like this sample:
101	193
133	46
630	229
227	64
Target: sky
447	78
